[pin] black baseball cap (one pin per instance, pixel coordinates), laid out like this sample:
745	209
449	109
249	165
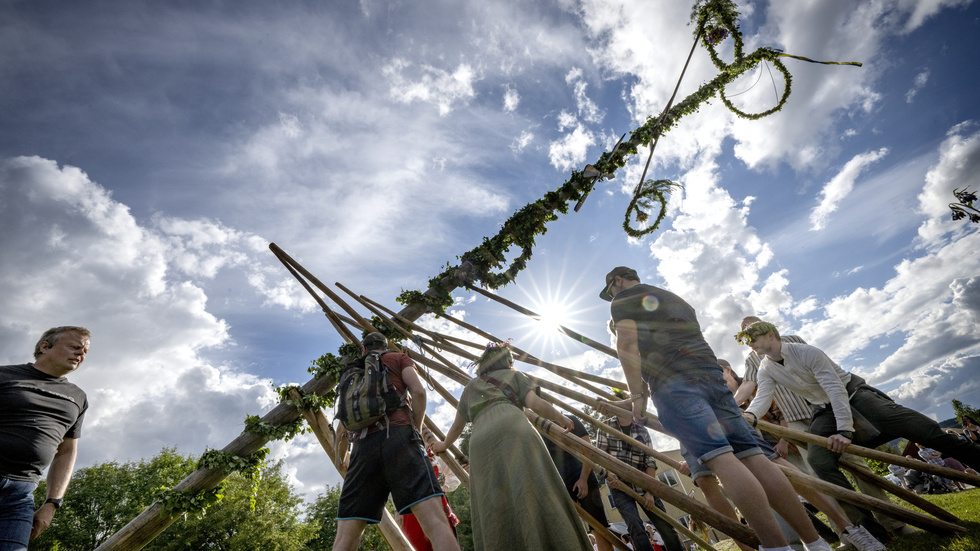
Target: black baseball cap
619	271
374	338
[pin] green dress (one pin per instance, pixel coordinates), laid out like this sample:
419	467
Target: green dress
518	501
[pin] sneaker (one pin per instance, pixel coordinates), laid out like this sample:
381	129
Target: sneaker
859	538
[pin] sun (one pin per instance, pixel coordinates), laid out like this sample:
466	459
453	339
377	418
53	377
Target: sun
551	316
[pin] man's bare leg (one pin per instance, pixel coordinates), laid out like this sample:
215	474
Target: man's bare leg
782	496
348	534
747	493
432	519
823	503
717	500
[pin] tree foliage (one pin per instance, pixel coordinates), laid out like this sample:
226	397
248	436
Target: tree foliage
103	498
459	500
962	409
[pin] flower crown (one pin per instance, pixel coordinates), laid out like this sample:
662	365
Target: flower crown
754	331
491	346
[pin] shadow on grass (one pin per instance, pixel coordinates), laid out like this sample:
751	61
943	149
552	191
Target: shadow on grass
966	506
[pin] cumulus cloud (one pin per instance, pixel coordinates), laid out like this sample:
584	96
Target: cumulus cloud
570	151
838	188
138	288
959	161
431	85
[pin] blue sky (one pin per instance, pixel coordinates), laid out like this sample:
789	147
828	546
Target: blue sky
150	151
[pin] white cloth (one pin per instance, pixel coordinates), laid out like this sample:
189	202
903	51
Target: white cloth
807	371
794	407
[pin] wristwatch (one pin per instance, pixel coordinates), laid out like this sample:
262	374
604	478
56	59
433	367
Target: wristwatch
56	502
849	434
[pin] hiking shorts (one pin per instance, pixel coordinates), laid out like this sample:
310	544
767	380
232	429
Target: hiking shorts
386	462
698	409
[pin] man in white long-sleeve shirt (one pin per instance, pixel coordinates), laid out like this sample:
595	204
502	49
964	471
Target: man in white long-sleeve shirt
846	408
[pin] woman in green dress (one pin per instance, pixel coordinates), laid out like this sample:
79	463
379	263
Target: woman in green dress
517	499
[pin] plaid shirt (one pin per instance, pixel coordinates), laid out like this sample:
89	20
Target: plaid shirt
624	452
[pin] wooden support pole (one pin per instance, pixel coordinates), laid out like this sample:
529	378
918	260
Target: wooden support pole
797	478
574	335
331	316
891	458
430	437
286	259
583	450
861	500
561	442
598	528
528	358
153	520
896	490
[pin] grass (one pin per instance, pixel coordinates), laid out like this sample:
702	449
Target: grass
965	505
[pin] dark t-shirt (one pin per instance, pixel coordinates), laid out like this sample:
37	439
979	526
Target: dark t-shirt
568	466
667	329
37	412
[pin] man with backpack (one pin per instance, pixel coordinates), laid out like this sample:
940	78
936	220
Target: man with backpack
388	456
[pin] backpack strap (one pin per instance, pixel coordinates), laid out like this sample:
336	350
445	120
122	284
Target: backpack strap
508	392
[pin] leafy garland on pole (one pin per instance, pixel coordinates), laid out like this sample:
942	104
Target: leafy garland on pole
176	502
715	21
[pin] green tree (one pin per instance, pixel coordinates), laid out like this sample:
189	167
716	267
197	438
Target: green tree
880	468
321	516
459	500
962	409
232	525
103	498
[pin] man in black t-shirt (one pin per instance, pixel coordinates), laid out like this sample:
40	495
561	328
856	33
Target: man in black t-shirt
41	417
660	344
579	480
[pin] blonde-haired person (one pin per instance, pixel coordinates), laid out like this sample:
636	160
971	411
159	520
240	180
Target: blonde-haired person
518	501
836	395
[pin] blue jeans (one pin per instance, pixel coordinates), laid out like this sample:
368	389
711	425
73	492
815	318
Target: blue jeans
16	513
630	511
698	409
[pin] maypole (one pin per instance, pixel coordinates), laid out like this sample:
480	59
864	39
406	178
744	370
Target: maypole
715	21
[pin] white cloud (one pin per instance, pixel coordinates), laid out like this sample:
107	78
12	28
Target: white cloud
958	165
522	141
838	188
511	99
920	80
921	11
587	109
432	85
570	151
139	289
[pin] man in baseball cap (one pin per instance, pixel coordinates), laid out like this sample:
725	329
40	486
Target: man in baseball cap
660	344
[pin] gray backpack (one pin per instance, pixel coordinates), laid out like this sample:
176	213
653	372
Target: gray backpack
365	395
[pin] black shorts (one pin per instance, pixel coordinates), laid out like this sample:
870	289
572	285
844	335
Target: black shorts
387	461
592	503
